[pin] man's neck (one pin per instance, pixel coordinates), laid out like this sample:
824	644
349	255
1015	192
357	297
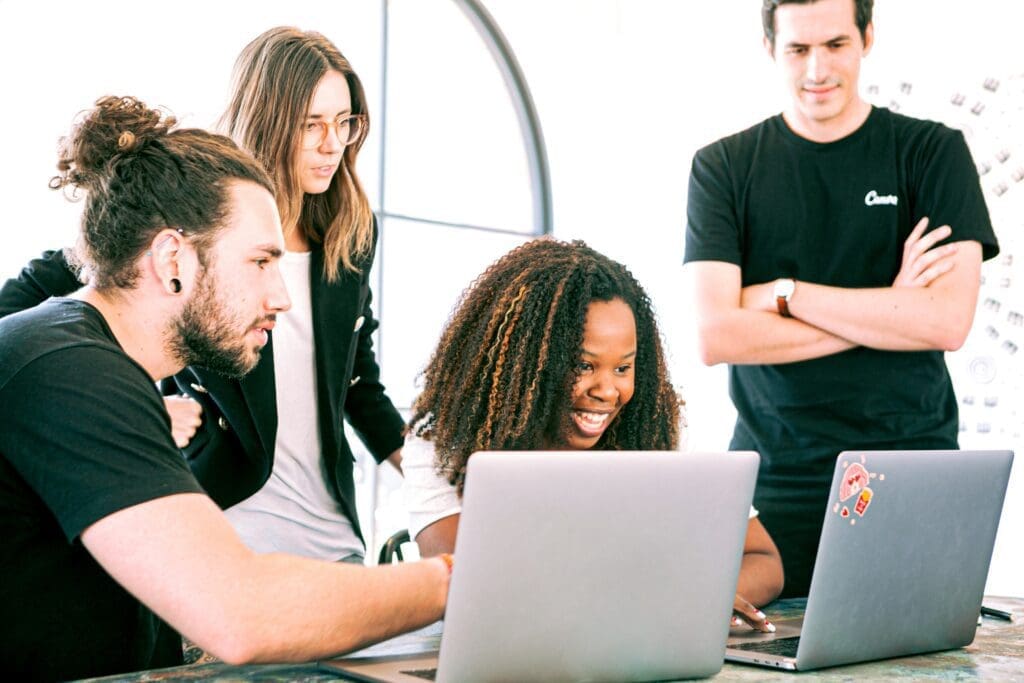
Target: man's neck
832	129
139	330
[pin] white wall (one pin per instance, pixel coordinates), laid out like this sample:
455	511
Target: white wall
57	59
627	90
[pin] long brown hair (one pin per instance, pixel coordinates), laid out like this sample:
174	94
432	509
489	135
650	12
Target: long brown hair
503	373
274	81
141	175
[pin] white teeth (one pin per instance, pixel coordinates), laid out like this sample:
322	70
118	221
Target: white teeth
592	419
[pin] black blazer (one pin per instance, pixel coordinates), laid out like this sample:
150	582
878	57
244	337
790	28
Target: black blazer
232	452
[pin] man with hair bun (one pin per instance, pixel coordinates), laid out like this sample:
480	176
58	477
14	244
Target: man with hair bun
109	540
272	450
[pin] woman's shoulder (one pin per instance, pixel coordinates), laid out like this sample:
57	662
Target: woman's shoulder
417	452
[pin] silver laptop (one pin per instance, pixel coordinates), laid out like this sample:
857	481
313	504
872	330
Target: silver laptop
598	566
902	563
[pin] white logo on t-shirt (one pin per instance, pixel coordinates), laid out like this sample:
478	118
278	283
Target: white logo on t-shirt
872	198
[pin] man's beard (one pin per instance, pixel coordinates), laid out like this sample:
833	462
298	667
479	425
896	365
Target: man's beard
209	336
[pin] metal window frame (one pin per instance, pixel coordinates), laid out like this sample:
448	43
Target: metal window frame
533	142
526	113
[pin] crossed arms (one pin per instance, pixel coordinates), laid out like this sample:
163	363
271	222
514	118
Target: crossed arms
929	306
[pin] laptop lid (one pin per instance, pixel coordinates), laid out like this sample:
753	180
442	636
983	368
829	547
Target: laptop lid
904	555
600	566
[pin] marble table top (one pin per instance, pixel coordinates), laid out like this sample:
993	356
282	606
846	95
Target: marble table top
997	653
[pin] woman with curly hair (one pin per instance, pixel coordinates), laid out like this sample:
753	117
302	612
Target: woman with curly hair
554	346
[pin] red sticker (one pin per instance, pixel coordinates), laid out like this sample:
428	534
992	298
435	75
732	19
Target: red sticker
845	512
863	500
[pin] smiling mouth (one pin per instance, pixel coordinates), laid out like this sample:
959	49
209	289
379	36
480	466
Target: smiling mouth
591	423
820	89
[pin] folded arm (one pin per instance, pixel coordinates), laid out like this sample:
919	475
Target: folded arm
936	317
930	305
731	333
180	557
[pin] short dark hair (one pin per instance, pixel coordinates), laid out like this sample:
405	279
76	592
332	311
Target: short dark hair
862	15
503	373
140	175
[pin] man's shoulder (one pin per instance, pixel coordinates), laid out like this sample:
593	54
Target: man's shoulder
737	154
55	326
742	140
912	130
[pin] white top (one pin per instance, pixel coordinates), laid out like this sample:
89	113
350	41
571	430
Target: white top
295	512
428	496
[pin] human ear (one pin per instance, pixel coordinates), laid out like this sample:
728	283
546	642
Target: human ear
164	253
869	38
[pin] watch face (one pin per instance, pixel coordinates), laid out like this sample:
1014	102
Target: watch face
784	288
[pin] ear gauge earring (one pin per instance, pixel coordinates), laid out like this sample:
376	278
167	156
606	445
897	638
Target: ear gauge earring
175	285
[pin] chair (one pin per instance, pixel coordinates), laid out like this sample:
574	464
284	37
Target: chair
392	547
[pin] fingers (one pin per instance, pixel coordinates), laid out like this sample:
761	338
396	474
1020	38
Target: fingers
186	416
181	440
914	250
931	274
923	261
933	264
916	233
744	612
184	409
923	269
926	242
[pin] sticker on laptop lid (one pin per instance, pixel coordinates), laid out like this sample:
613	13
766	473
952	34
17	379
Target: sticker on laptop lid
863	500
855	484
855	478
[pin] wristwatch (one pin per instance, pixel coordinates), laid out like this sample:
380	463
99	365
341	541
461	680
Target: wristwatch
783	291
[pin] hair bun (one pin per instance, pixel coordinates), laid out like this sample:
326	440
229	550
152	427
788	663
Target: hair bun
126	140
114	128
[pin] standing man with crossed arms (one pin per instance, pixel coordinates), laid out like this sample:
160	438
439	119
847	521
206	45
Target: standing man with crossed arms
816	276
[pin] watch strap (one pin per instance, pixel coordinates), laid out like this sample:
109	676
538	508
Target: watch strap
783	305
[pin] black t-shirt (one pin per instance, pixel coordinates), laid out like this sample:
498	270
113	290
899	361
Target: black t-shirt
778	205
85	434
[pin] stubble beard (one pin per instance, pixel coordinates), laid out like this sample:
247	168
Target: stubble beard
207	335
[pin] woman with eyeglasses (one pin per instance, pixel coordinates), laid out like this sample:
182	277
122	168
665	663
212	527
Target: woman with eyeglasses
271	447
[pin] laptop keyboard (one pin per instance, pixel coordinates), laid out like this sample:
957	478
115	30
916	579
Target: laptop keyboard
425	674
784	647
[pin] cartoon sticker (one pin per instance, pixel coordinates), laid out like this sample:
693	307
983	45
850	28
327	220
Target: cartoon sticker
855	479
863	500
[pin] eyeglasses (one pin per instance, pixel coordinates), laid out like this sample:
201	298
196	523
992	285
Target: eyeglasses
347	128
